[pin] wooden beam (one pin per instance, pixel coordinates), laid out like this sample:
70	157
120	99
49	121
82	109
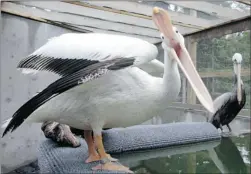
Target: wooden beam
223	29
225	73
85	11
145	11
193	12
184	89
192	49
245	2
229	27
209	8
199	107
60	10
78	22
96	17
102	13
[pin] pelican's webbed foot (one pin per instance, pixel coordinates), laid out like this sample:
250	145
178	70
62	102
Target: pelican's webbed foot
106	163
111	166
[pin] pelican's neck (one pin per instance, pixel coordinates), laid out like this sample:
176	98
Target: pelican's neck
170	67
171	77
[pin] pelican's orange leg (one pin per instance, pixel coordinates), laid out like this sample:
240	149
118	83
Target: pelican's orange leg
106	163
93	155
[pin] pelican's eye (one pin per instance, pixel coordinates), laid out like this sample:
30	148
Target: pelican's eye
162	36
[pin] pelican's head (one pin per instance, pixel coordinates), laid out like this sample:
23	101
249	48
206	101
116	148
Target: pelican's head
237	59
167	44
174	40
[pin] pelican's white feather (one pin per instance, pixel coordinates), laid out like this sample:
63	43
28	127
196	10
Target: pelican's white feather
221	100
154	67
97	46
28	71
71	52
5	123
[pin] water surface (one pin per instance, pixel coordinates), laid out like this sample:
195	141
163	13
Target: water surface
229	155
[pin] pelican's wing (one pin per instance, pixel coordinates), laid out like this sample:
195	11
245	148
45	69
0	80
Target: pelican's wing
154	67
222	100
220	104
65	83
71	52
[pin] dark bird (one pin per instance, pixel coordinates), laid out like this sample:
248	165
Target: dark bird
229	104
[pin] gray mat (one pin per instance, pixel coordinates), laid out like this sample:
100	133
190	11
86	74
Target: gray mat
142	138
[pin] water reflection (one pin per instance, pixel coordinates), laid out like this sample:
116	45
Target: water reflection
224	156
231	155
178	159
227	157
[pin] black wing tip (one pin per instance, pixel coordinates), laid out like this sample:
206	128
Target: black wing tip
11	127
5	131
26	110
20	65
58	65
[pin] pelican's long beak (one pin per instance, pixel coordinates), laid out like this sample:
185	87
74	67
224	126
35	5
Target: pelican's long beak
181	55
238	75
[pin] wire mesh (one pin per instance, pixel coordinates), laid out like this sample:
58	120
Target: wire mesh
215	55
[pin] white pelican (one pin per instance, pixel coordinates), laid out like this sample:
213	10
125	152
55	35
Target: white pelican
229	104
102	85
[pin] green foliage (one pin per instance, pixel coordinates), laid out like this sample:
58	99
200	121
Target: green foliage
216	54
